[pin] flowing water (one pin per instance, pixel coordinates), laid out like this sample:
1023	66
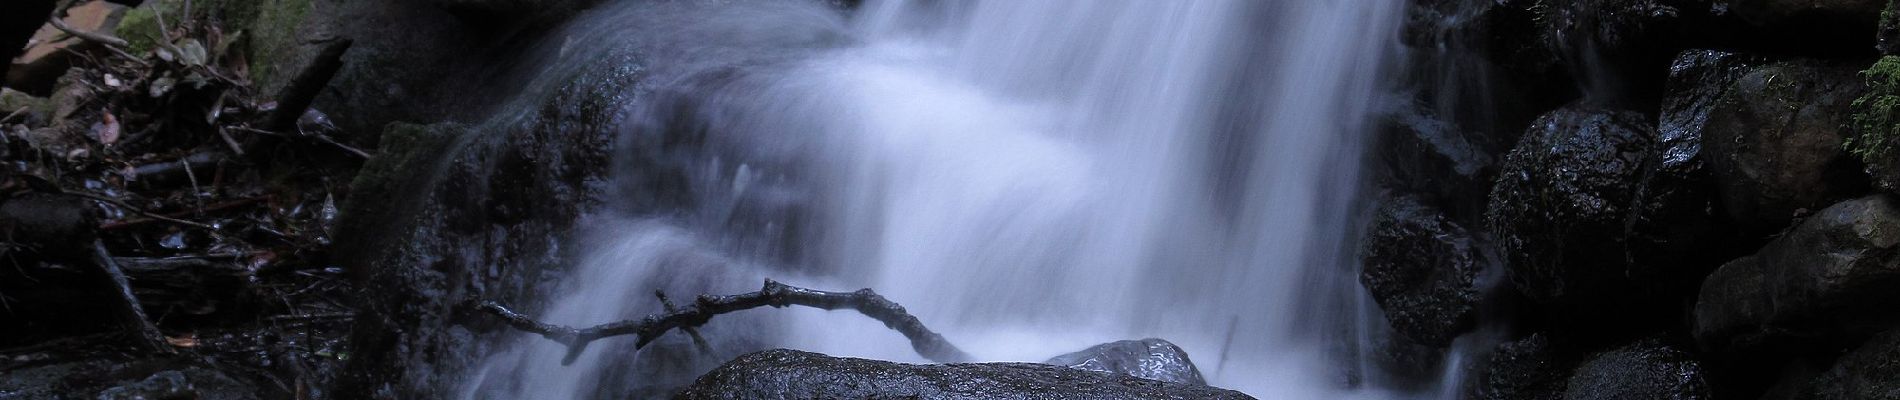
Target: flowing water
1027	177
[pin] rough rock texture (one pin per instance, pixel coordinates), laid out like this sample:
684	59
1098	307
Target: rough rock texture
1645	370
1870	372
777	374
1423	270
1833	274
1875	127
1527	369
1147	359
1611	47
1678	225
447	213
1773	142
1562	208
112	378
1433	158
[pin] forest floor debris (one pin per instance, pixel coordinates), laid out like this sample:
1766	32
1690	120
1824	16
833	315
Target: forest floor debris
213	203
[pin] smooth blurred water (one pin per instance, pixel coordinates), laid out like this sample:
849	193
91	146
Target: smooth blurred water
1028	177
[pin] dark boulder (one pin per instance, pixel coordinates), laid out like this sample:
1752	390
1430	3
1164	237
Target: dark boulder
778	374
1831	276
1773	142
1423	270
1610	47
1433	158
1147	359
112	378
1875	127
1645	370
54	226
1564	204
1527	369
1870	372
1678	225
450	212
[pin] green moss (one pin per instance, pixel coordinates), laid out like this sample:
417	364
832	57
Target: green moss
274	30
1874	121
1874	130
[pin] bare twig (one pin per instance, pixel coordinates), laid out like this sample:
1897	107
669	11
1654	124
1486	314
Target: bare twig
114	44
140	211
101	38
698	341
130	311
303	90
927	343
15	113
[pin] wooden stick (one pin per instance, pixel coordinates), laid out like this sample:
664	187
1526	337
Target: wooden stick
927	343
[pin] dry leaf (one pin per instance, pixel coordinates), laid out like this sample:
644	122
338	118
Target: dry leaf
186	341
108	130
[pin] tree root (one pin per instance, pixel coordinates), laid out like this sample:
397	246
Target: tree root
927	343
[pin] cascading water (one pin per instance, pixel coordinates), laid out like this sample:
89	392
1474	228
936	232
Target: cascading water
1028	177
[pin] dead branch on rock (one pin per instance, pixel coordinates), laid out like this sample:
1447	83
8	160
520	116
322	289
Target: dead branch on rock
927	343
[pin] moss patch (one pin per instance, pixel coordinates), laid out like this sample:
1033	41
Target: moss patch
1874	130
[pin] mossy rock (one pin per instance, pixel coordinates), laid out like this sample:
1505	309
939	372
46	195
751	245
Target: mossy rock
1876	122
271	32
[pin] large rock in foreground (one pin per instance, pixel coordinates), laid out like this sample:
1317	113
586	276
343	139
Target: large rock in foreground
1564	203
783	374
1774	142
1147	359
1870	372
1647	369
1834	274
1423	269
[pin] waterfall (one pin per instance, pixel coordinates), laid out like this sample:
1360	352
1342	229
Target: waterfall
1027	177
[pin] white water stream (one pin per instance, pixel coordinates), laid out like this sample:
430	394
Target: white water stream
1029	177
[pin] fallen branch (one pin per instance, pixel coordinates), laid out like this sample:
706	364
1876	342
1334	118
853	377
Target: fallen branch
141	211
131	313
927	343
303	90
115	44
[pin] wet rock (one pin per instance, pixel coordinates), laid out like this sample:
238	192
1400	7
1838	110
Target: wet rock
1609	46
168	385
1773	141
1431	157
1875	127
1423	270
1677	224
1527	369
1563	205
1147	359
1870	372
450	212
1831	275
1485	52
108	378
776	374
1648	369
